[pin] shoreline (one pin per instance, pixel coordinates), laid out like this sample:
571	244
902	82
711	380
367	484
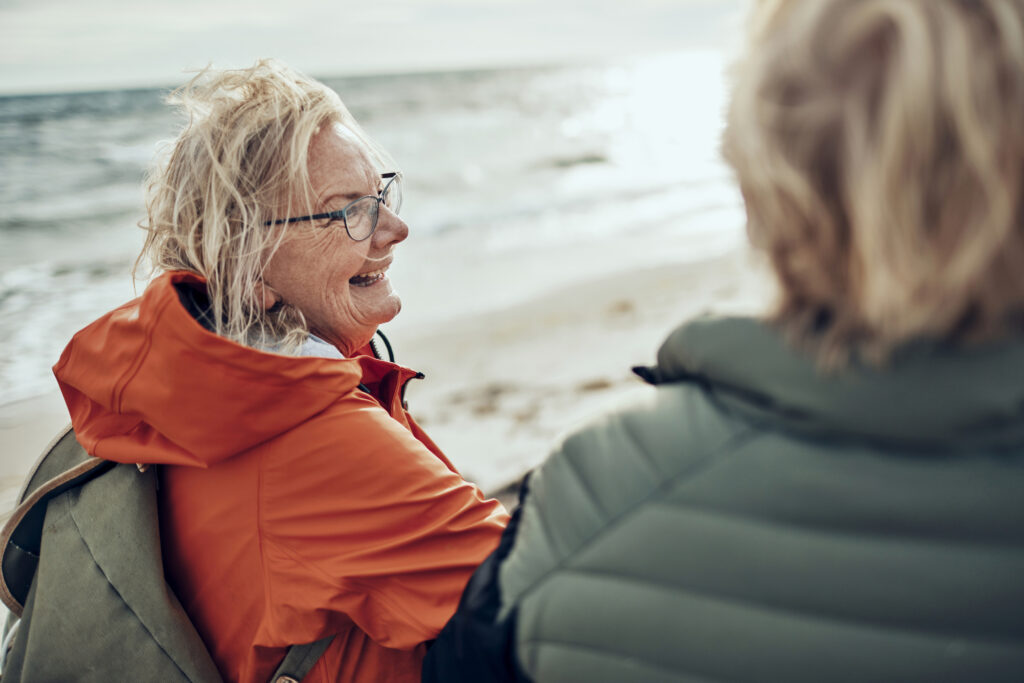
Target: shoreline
503	385
26	427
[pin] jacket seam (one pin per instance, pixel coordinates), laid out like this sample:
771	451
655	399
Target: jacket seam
347	584
833	532
118	393
644	455
807	615
396	609
610	654
261	541
299	559
264	539
802	425
594	499
71	516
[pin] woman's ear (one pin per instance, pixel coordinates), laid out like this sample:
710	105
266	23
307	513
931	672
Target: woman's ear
266	296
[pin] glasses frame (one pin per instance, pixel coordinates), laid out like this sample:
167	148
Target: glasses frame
342	213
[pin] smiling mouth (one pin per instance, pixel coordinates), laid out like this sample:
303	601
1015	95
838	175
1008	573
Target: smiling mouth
367	279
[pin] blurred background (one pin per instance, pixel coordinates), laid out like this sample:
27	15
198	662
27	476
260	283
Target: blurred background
549	148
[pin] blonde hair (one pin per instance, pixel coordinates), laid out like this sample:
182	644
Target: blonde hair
879	148
238	163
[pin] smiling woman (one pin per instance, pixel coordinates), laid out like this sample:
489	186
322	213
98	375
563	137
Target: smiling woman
298	498
280	147
333	269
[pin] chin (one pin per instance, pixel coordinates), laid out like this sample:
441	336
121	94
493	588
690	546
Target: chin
391	309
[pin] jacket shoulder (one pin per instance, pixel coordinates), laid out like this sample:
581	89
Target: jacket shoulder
607	470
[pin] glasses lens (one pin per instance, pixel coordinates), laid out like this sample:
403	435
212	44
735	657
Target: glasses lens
392	195
361	218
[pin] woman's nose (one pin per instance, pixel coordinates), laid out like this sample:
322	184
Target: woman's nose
391	229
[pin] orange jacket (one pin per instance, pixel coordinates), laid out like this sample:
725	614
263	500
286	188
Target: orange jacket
294	505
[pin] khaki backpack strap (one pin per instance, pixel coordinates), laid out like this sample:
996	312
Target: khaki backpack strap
299	660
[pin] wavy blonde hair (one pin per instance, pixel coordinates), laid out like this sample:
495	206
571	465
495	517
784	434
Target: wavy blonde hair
879	147
239	162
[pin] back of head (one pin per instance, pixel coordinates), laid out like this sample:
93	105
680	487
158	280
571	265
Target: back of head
879	150
239	161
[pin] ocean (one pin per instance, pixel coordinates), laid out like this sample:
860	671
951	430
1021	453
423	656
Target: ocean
518	181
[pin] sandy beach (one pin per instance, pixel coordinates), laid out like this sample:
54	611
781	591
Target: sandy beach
26	427
502	385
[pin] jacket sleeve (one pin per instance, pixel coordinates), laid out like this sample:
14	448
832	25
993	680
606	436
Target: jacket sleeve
571	498
477	644
361	523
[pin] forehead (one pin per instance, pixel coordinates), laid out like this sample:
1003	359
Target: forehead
340	164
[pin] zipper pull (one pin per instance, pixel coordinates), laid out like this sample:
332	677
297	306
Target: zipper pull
418	375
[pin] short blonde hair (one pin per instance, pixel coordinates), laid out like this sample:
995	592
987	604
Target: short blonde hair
879	147
238	163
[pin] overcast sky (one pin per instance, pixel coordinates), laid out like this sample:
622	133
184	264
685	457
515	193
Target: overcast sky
54	45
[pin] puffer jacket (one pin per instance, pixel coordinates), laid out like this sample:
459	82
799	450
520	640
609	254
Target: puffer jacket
756	520
298	499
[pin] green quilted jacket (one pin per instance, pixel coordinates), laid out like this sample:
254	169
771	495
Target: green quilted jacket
756	520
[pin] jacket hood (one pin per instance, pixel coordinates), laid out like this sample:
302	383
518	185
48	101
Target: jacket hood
146	383
929	395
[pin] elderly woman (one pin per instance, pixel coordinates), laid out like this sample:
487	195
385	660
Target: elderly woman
298	498
836	494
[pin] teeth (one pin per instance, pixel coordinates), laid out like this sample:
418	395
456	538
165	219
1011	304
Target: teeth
368	277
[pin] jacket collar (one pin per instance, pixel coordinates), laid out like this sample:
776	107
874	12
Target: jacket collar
928	396
147	383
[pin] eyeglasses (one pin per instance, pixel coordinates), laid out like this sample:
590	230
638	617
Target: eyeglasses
360	215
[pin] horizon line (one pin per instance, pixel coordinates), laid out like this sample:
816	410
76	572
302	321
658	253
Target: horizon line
130	85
